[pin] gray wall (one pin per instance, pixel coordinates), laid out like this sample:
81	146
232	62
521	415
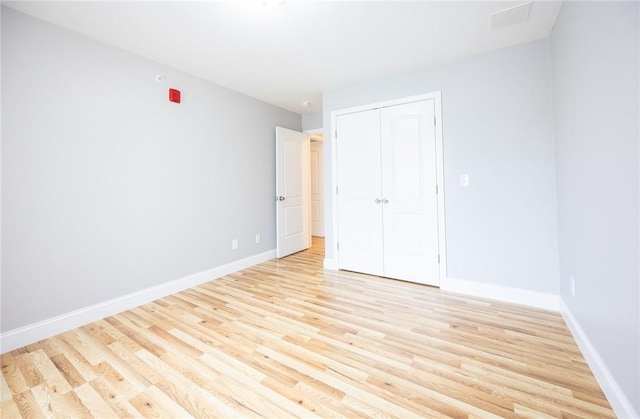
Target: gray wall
107	187
312	120
596	92
497	123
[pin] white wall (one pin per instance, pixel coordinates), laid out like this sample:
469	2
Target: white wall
596	53
497	127
107	187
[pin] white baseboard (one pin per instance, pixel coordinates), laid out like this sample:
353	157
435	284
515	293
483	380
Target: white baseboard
496	292
621	406
34	332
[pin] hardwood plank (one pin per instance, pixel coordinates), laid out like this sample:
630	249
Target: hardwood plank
87	352
79	362
154	403
115	400
13	381
28	406
183	391
134	363
28	370
9	409
68	371
98	407
53	380
70	405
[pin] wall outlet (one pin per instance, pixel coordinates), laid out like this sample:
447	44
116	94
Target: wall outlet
234	244
572	286
258	238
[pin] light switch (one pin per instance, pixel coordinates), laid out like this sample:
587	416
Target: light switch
464	180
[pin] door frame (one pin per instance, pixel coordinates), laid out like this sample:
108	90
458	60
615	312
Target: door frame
442	244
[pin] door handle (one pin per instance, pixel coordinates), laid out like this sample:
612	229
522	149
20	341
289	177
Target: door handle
280	198
385	201
377	200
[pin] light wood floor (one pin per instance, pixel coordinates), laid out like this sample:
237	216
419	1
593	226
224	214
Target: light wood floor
286	339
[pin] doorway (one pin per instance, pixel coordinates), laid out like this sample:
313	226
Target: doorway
316	159
299	189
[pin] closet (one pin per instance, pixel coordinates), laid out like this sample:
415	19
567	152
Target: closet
387	192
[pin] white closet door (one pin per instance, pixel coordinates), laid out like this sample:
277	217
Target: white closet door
410	208
359	180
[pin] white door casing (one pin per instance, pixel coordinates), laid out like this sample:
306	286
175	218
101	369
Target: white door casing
292	192
387	166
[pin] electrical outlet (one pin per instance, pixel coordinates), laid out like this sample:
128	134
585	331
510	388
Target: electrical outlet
572	286
234	244
258	238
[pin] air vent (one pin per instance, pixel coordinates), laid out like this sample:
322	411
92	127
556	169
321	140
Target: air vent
511	16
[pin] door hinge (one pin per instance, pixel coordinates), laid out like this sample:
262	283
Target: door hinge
438	259
336	190
338	245
336	134
434	121
436	189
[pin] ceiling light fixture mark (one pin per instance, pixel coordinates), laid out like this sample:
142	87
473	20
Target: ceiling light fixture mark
510	16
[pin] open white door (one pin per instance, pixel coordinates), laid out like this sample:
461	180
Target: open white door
293	203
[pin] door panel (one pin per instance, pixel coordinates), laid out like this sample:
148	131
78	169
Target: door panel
410	222
292	188
294	216
359	180
405	239
405	159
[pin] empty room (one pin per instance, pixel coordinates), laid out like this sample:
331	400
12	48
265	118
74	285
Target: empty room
303	208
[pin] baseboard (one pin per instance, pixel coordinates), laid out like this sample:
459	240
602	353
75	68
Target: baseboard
34	332
621	406
331	264
496	292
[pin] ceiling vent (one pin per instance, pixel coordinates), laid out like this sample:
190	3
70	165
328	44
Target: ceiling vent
511	16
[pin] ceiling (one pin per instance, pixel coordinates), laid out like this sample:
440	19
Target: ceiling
294	52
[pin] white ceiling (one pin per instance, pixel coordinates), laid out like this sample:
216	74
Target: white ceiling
294	52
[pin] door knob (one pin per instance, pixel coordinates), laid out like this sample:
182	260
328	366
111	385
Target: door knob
377	200
280	198
385	201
